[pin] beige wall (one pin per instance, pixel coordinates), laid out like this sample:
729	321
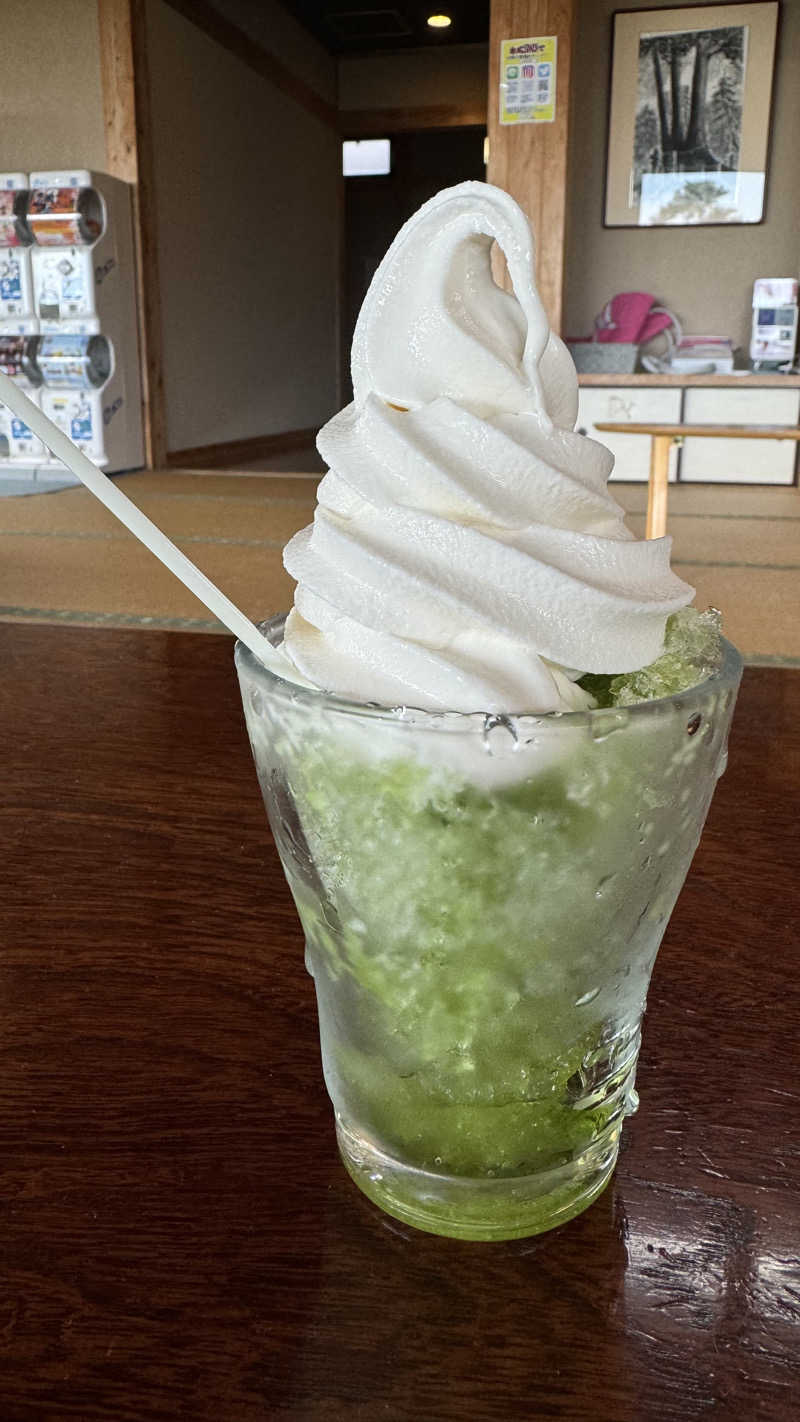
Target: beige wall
705	274
415	78
247	192
51	106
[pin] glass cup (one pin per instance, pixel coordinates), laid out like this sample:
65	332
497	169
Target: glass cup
483	898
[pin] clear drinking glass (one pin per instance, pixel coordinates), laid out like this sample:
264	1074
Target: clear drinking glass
483	898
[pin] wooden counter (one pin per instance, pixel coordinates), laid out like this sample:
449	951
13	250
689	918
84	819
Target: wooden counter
762	382
179	1238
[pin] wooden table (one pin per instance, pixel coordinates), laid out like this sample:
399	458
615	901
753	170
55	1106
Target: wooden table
663	436
179	1240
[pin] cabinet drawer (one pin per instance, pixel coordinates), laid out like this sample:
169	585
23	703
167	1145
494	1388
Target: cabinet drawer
634	405
740	461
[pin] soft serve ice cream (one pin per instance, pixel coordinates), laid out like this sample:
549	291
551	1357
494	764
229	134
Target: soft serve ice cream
465	553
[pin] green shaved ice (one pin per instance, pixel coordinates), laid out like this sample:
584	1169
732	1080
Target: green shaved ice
692	652
461	926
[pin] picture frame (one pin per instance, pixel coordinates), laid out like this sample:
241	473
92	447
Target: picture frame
689	115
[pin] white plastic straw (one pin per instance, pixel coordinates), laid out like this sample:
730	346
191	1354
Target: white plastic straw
139	524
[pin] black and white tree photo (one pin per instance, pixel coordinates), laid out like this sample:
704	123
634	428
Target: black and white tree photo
689	114
689	104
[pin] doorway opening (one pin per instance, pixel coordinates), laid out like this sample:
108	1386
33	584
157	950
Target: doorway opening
376	207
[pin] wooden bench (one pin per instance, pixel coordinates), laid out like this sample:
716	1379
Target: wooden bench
665	435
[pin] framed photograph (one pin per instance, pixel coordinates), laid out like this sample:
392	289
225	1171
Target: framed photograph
688	128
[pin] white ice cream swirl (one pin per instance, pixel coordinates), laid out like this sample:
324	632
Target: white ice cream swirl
465	553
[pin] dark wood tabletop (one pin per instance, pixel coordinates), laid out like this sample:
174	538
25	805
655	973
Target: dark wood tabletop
178	1237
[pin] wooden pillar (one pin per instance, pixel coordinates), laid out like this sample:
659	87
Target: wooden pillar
116	69
129	155
529	160
658	488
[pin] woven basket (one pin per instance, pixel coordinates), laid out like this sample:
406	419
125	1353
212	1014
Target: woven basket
604	357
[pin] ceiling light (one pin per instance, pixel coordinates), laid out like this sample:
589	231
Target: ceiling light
439	22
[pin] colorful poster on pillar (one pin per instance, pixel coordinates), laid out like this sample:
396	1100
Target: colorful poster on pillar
528	80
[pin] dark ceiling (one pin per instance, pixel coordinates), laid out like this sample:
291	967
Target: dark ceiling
355	26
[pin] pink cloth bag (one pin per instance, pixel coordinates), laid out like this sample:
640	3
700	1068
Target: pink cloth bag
632	316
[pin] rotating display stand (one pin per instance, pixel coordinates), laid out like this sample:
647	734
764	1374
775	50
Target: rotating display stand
68	328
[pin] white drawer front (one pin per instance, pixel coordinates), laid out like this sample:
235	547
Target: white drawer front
711	405
634	405
740	461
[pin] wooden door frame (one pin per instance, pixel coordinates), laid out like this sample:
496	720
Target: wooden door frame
129	156
381	123
529	162
125	79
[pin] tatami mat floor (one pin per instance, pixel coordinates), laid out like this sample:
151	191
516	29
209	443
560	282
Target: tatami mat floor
64	558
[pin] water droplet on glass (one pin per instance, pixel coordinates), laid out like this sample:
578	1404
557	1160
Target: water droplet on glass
255	700
500	735
632	1102
722	762
605	723
693	724
604	886
588	997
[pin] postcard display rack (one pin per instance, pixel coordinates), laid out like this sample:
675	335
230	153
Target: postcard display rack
68	322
